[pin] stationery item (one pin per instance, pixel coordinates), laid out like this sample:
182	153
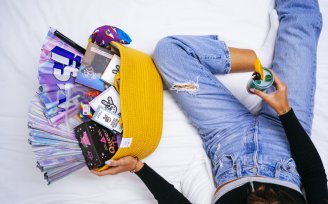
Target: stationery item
65	69
69	41
108	119
109	99
85	111
111	70
57	97
61	103
259	68
98	143
56	149
64	57
91	94
106	34
119	139
58	66
94	63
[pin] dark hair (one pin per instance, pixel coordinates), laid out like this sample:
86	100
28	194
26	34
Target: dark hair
267	195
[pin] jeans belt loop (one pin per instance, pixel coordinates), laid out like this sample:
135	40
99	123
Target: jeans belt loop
238	168
277	170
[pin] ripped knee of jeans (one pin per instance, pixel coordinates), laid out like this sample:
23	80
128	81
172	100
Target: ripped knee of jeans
189	87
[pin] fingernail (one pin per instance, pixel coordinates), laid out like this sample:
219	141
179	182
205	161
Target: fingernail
108	162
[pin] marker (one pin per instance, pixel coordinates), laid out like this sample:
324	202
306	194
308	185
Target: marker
259	68
70	42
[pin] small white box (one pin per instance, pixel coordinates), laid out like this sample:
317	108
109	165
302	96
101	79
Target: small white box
111	70
107	119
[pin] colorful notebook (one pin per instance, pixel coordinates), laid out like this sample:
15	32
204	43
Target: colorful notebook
94	63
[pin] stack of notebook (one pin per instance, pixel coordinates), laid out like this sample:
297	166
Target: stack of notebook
74	118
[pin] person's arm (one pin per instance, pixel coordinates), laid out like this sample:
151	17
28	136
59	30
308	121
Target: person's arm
163	191
304	153
307	159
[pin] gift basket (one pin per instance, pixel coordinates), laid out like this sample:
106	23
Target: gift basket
95	104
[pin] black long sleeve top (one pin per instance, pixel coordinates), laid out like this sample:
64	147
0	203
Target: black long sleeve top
304	153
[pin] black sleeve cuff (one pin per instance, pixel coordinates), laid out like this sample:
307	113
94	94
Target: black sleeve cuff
290	115
144	171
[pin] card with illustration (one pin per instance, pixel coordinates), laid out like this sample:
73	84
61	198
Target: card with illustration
108	99
94	63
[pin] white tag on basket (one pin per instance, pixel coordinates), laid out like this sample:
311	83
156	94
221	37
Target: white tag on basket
126	142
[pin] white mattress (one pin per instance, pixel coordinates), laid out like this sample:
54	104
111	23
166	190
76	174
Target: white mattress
180	157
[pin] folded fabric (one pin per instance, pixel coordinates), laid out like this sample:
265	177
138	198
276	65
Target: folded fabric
103	35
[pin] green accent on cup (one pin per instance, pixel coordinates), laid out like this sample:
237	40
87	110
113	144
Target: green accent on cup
261	85
268	78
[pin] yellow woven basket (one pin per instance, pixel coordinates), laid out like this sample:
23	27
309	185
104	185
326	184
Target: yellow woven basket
141	100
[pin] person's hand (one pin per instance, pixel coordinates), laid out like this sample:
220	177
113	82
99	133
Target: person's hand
124	164
278	100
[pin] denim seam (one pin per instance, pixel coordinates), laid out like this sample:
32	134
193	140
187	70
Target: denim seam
227	59
277	170
317	28
238	167
256	142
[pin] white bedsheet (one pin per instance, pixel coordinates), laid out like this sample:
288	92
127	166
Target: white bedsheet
180	157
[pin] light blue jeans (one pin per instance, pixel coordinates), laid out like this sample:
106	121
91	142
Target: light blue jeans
238	143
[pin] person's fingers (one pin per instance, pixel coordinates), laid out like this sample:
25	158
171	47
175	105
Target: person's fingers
95	172
278	82
261	94
115	166
121	162
109	171
112	163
